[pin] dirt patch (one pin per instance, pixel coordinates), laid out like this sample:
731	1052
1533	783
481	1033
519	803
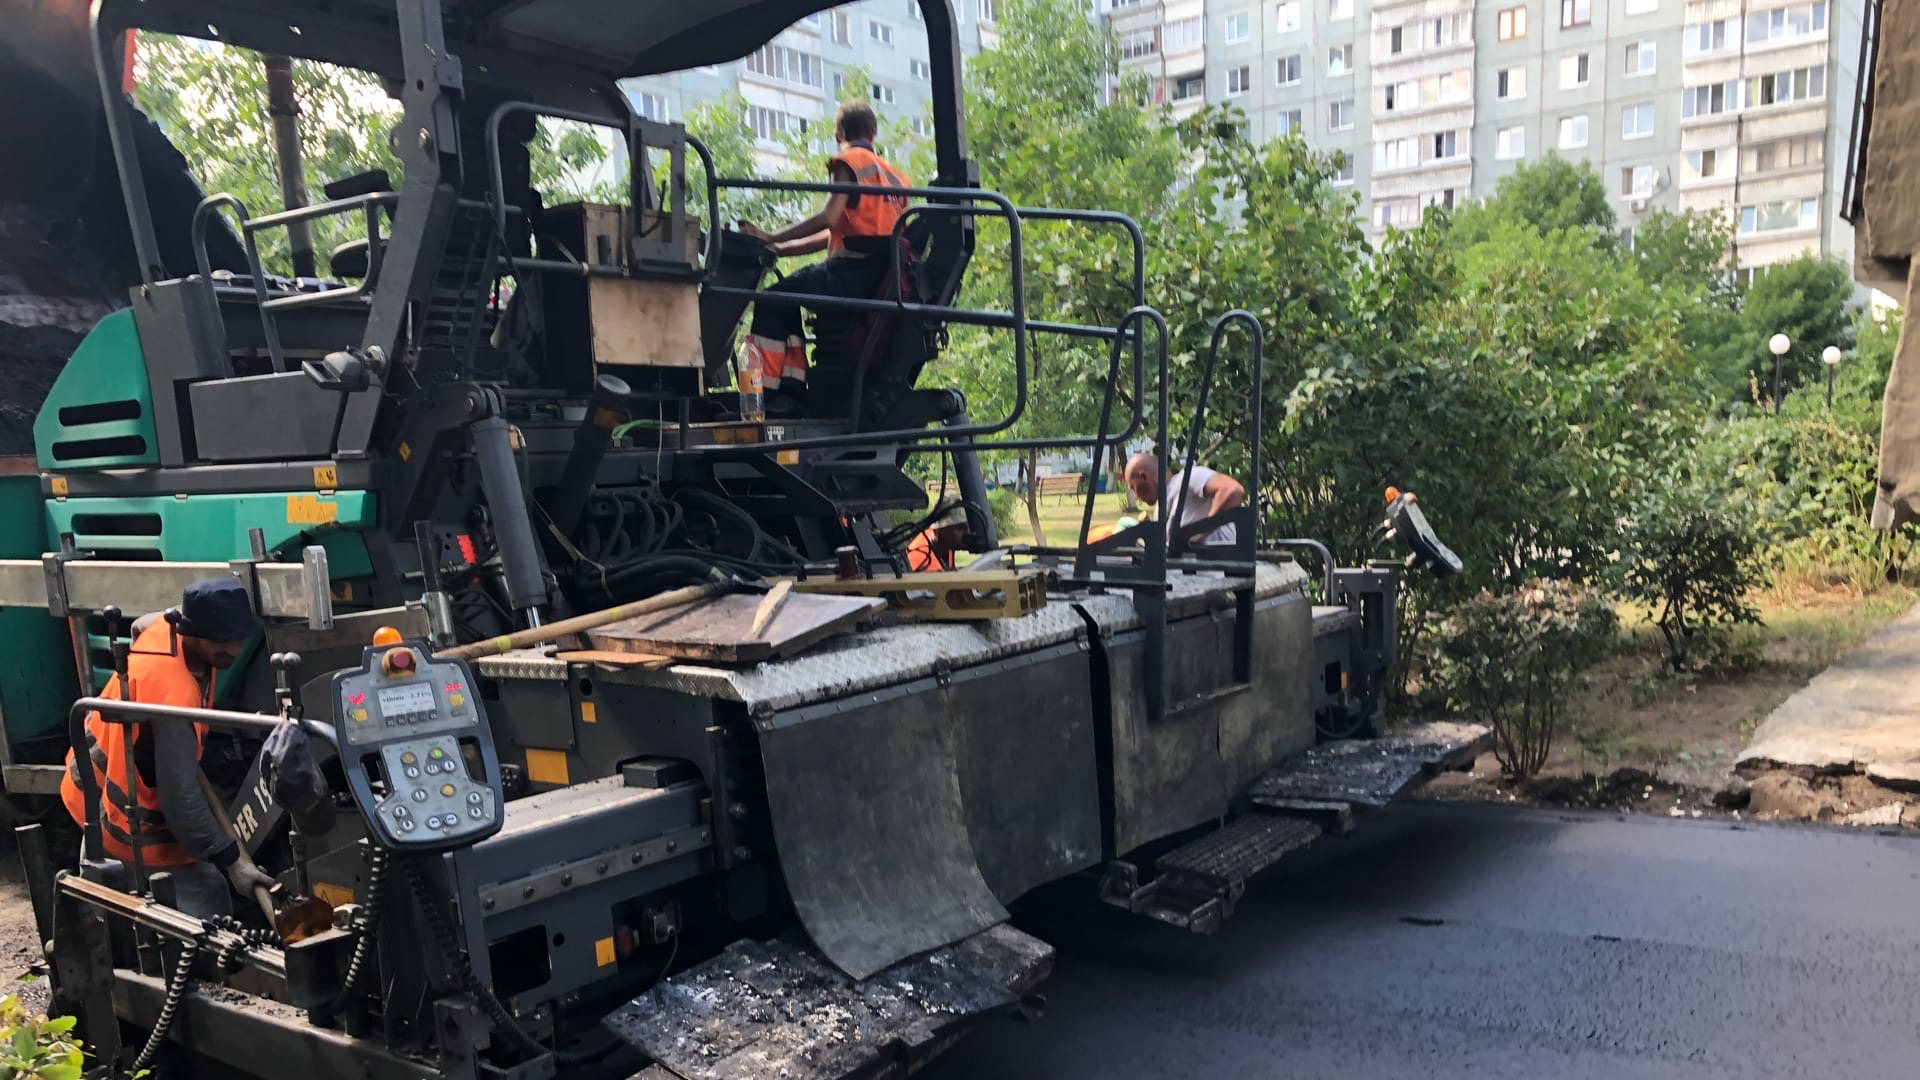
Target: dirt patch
22	964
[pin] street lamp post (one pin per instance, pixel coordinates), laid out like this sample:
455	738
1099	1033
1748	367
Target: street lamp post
1830	356
1778	345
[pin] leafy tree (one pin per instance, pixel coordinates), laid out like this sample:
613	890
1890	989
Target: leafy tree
1552	193
1807	298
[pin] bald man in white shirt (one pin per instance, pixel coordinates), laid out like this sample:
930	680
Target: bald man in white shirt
1207	493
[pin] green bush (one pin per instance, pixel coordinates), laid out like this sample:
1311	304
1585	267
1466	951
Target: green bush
1512	660
1693	557
33	1047
1001	502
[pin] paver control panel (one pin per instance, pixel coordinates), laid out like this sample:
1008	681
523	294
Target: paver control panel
418	753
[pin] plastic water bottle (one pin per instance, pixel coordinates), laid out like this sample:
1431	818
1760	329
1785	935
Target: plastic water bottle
753	398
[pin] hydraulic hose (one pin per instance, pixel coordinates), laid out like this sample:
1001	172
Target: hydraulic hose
177	983
366	927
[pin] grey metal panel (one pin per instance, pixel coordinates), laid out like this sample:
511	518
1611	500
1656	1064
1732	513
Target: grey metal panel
871	828
1186	769
139	587
1028	767
263	418
182	340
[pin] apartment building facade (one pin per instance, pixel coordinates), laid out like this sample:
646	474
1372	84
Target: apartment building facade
1738	106
793	82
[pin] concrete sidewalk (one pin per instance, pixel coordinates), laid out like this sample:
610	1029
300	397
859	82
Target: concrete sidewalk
1860	715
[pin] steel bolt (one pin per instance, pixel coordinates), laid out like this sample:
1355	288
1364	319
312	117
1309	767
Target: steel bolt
487	903
600	869
737	811
742	853
526	893
673	845
566	879
635	857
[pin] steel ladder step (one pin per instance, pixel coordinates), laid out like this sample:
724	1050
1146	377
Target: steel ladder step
1227	857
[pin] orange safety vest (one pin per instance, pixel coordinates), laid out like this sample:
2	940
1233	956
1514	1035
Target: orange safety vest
921	557
157	680
866	214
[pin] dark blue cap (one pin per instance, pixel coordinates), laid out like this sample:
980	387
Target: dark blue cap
216	609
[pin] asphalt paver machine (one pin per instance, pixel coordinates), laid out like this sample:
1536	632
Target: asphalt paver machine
547	862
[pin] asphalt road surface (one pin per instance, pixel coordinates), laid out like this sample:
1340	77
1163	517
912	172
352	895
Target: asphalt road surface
1455	940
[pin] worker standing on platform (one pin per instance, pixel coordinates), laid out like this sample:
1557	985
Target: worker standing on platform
1193	497
172	823
776	338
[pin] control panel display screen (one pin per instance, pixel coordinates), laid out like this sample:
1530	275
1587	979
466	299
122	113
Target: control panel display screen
408	704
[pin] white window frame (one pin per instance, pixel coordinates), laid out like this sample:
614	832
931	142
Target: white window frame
1575	14
1632	188
1698	161
1184	34
989	10
1286	17
880	32
842	30
1280	70
880	94
1339	10
1569	125
1629	120
1581	70
1339	60
1236	28
1334	109
1291	120
651	106
1641	58
1516	83
1510	143
1243	75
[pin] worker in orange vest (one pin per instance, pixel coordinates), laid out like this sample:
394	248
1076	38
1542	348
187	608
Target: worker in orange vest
172	823
937	546
776	341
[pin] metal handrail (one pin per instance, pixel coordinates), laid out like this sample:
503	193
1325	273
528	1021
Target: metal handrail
255	270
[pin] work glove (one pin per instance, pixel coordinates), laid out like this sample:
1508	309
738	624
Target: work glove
245	877
294	778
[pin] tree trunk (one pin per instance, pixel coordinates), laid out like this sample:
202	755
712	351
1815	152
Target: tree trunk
1030	469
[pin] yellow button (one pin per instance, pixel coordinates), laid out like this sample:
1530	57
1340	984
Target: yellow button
456	700
359	716
408	758
446	789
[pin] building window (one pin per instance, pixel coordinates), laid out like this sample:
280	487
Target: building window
1510	83
1286	17
1239	80
1800	84
1396	41
989	10
651	106
1399	96
787	65
1513	23
1340	60
1642	7
1340	115
1444	31
1190	88
1339	10
1637	182
1787	22
882	94
1780	216
1709	100
1573	132
1636	121
1287	71
1289	121
1702	164
1640	58
1453	86
1575	71
1707	37
1783	154
922	126
1395	212
1575	13
1510	144
1395	154
1137	43
1446	144
1183	34
1238	28
879	31
1343	170
842	28
1442	199
921	70
771	124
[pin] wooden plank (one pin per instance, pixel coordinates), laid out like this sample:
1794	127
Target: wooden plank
638	322
644	661
721	629
946	594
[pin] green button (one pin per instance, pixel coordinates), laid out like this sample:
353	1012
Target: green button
436	753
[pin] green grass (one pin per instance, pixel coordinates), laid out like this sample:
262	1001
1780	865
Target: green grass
1060	518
